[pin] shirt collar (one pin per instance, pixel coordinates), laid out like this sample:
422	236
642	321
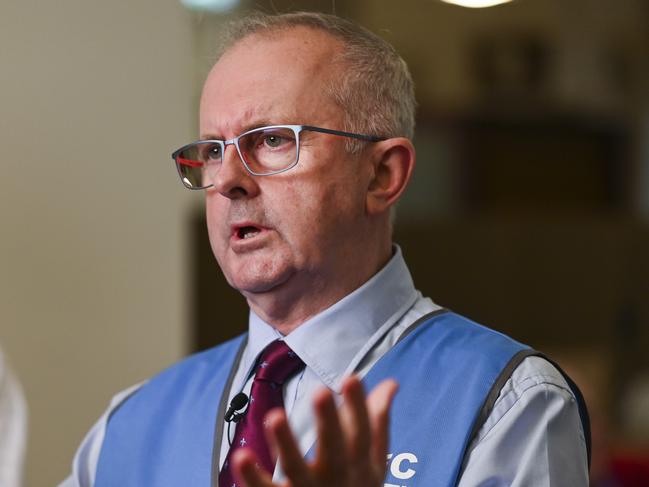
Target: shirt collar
330	342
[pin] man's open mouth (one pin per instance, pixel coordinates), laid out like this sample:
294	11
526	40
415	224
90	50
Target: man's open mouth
247	232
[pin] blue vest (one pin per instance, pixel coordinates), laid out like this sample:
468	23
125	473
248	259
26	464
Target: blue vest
449	371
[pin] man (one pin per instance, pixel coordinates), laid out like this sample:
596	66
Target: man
305	148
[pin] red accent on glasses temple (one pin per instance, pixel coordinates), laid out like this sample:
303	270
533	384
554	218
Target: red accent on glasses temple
189	162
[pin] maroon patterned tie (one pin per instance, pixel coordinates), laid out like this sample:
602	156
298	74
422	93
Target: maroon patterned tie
275	366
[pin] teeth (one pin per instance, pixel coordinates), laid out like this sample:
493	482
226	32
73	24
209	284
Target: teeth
249	233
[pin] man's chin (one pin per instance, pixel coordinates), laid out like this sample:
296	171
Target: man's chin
257	272
259	284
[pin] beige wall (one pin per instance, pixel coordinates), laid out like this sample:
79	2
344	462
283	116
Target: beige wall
93	98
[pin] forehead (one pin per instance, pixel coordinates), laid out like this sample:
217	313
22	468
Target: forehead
277	77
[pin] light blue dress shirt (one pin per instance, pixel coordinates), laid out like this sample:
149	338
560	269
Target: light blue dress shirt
533	436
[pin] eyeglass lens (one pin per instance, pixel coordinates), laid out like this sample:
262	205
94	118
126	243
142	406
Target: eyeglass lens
264	151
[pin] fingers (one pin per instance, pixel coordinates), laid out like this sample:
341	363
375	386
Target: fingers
378	405
244	464
352	445
355	420
283	442
330	461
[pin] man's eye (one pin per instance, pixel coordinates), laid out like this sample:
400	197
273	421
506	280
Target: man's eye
274	140
213	152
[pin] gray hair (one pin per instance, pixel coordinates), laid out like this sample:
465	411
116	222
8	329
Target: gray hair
374	90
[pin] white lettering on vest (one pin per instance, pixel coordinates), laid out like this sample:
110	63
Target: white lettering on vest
397	471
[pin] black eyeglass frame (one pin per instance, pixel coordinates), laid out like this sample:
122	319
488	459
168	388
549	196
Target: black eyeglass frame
235	141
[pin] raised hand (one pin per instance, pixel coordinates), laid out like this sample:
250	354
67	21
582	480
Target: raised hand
352	442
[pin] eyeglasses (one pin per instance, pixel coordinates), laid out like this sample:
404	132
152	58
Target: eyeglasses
263	151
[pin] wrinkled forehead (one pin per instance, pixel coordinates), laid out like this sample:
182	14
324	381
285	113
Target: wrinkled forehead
278	77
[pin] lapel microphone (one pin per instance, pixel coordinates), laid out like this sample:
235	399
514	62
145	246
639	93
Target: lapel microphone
237	404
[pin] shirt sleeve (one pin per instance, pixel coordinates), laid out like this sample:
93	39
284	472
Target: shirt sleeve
84	465
533	436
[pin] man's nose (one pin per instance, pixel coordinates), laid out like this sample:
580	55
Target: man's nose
232	179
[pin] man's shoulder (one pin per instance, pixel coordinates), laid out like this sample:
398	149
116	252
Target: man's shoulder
465	335
148	398
447	347
536	370
525	368
192	372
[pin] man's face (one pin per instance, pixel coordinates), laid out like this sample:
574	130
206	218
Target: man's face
300	230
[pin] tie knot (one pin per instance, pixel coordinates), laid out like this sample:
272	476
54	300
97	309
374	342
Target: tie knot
278	363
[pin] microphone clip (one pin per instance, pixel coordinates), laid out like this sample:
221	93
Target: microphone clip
237	404
236	417
232	415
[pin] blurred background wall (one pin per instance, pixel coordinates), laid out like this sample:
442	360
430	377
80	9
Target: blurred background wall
529	210
93	97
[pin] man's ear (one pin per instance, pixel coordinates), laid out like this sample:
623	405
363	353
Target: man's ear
393	162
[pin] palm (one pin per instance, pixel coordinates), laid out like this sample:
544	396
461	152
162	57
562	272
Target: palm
352	442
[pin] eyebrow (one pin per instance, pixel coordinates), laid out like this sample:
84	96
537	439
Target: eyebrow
250	126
